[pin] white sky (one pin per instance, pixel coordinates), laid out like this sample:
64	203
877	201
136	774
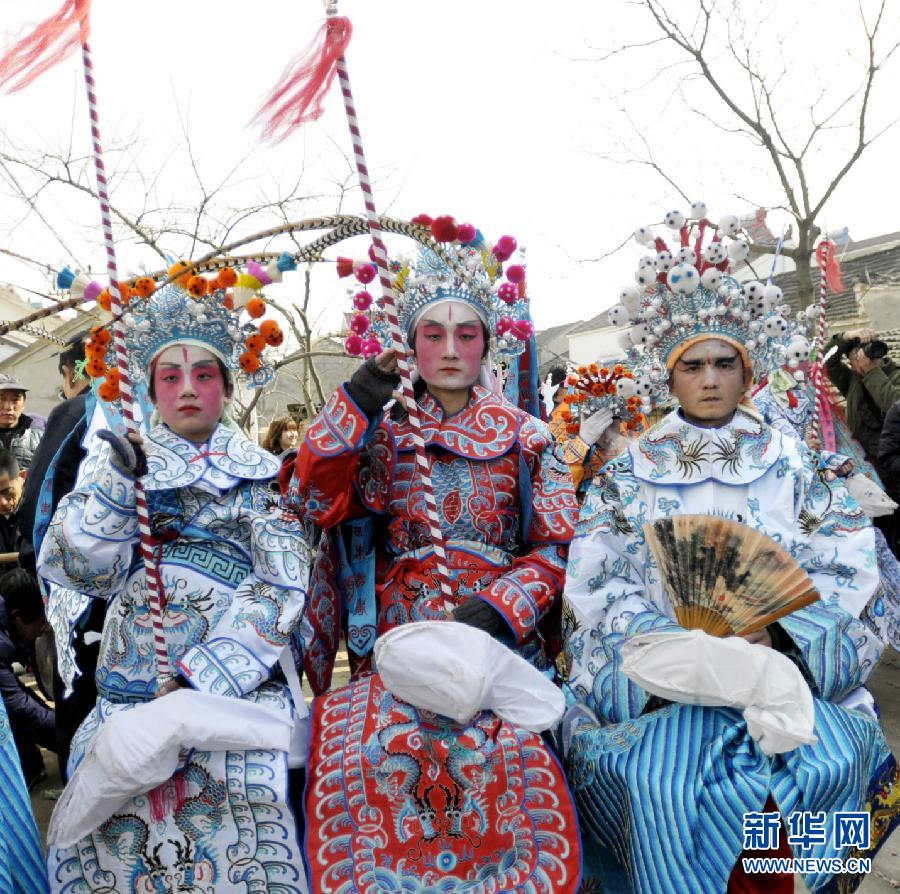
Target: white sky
478	109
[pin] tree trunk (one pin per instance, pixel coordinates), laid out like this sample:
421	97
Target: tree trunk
805	291
807	271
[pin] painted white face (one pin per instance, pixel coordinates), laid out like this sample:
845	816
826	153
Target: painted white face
449	344
190	391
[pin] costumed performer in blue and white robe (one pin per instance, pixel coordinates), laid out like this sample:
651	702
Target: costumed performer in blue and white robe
663	787
232	572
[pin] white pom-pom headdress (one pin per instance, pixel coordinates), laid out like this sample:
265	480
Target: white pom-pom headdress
684	293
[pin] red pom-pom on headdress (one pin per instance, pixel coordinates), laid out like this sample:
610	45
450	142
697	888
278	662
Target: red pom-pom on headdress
444	229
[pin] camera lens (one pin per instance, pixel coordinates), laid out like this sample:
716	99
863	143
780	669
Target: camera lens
875	350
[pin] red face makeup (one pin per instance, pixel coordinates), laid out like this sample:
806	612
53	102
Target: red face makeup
190	391
449	346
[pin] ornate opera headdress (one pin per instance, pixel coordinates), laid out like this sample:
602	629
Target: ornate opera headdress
190	310
685	293
459	266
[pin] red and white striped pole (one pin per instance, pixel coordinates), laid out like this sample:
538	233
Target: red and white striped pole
818	382
163	668
390	310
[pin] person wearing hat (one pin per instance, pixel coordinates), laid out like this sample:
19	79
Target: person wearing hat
16	431
870	384
54	468
60	446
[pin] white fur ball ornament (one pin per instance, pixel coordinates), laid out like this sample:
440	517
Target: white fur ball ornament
729	225
683	279
714	253
738	249
698	210
618	315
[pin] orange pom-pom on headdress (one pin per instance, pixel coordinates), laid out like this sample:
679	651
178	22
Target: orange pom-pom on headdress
95	367
145	286
181	273
271	332
227	277
249	362
255	343
109	390
256	307
197	286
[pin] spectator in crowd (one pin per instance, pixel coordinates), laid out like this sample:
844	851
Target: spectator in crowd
54	468
22	621
11	481
72	361
889	451
870	384
283	435
557	376
66	427
16	427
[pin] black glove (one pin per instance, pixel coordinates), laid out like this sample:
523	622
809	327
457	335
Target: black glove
126	457
371	388
477	613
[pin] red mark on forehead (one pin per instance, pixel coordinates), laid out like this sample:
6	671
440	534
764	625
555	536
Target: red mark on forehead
184	354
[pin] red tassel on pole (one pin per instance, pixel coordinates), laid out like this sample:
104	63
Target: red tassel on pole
48	44
299	94
832	272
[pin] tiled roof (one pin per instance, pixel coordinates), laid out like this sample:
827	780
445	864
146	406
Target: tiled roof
598	322
868	268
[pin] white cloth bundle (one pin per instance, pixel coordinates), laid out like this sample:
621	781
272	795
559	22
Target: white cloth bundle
457	670
695	668
873	500
137	749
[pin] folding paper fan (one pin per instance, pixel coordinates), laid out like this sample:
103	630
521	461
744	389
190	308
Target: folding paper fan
724	577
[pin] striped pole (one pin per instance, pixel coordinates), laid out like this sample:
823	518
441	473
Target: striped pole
390	311
819	386
163	669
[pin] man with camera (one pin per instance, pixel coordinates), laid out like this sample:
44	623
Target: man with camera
870	385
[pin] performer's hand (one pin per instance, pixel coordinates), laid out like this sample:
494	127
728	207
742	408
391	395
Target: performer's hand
592	428
813	441
171	686
386	361
760	638
372	385
477	613
127	455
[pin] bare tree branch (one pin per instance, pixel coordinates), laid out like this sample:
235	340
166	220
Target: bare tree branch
756	104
